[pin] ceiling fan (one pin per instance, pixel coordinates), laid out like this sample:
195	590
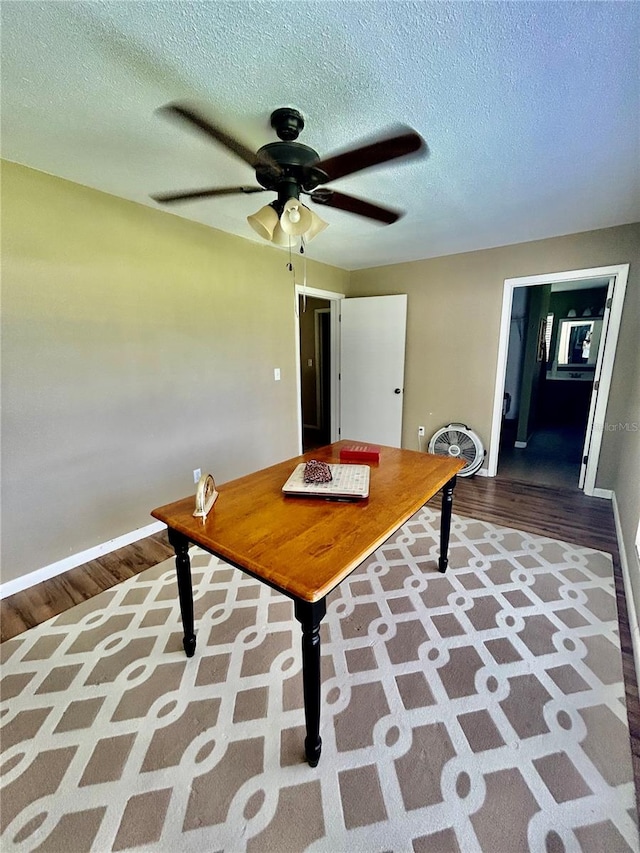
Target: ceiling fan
292	169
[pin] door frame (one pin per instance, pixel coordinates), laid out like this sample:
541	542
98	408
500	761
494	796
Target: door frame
620	273
334	300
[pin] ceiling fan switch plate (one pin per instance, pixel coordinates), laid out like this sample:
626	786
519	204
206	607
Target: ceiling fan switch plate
287	123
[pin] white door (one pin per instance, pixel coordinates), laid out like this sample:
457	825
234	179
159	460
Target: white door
372	339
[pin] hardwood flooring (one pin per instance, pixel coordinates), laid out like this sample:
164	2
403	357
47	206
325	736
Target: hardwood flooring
45	600
565	514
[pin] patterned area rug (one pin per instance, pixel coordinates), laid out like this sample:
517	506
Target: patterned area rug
481	710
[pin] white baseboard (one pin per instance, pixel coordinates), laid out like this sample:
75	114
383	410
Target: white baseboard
482	472
79	559
602	493
628	591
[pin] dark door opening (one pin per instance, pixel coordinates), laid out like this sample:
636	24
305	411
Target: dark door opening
315	371
550	367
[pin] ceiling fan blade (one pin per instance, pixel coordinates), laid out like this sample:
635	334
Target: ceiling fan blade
352	204
166	198
373	154
214	131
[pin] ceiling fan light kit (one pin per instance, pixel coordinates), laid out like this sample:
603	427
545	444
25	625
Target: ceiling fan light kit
281	238
296	218
264	221
290	169
317	226
283	224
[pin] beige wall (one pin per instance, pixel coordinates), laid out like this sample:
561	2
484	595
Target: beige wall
626	440
454	307
137	346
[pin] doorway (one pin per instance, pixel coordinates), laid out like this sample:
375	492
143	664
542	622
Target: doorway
554	340
616	276
350	362
315	371
317	314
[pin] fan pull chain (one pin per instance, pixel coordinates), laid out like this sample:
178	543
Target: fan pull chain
290	265
304	275
291	268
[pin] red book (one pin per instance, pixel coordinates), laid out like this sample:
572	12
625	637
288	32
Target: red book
360	453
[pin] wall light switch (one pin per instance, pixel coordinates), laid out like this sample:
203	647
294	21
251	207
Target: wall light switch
309	362
276	374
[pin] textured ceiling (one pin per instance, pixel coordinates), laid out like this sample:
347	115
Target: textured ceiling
531	110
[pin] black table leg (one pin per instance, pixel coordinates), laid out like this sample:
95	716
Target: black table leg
445	523
310	614
180	544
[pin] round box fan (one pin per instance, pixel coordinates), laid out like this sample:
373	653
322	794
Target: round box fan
459	441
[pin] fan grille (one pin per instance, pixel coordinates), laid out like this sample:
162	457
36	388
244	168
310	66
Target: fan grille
460	442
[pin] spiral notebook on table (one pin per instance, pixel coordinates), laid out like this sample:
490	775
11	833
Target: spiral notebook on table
349	482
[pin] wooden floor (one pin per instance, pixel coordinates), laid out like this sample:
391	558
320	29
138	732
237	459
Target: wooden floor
565	514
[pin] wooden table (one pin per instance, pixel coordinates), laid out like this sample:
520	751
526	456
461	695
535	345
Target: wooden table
304	547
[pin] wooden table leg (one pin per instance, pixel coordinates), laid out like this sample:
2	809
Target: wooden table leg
445	523
180	544
310	614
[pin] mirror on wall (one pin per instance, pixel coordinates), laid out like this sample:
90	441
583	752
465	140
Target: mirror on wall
578	341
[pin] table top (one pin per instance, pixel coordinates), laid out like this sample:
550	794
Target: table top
306	546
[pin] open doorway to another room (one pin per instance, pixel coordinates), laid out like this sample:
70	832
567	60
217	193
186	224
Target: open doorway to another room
553	346
315	370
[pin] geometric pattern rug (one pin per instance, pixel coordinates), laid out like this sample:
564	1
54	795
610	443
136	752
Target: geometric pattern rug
479	710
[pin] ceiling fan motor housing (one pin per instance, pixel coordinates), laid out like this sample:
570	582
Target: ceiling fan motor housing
296	162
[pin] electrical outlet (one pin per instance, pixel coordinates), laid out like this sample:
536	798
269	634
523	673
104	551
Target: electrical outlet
420	430
197	473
